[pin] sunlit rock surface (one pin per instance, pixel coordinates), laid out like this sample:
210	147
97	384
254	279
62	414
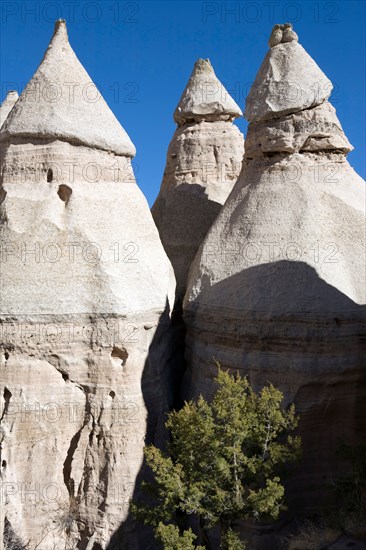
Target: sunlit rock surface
203	163
86	295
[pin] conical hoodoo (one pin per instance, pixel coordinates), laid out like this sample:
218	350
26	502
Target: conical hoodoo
203	163
7	105
86	290
277	289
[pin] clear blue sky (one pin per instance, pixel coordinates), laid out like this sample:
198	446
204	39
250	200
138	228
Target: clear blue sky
140	54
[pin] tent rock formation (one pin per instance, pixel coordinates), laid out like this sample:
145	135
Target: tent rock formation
203	163
277	288
86	293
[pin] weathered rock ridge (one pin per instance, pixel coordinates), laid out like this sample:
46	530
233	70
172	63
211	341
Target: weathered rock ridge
86	293
277	287
7	105
203	163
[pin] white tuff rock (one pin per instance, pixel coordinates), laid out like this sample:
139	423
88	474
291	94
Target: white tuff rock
205	97
288	80
61	101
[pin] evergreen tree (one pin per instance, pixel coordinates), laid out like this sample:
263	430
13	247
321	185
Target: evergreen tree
223	464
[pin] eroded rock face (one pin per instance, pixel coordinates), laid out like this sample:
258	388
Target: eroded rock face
86	294
276	289
203	163
312	130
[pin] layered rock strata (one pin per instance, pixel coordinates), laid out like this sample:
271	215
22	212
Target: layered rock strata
86	293
277	289
203	163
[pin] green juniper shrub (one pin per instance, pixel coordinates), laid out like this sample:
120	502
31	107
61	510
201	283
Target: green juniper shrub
222	465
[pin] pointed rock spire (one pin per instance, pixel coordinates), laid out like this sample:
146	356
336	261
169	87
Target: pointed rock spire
288	80
205	97
7	105
62	102
203	163
67	179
